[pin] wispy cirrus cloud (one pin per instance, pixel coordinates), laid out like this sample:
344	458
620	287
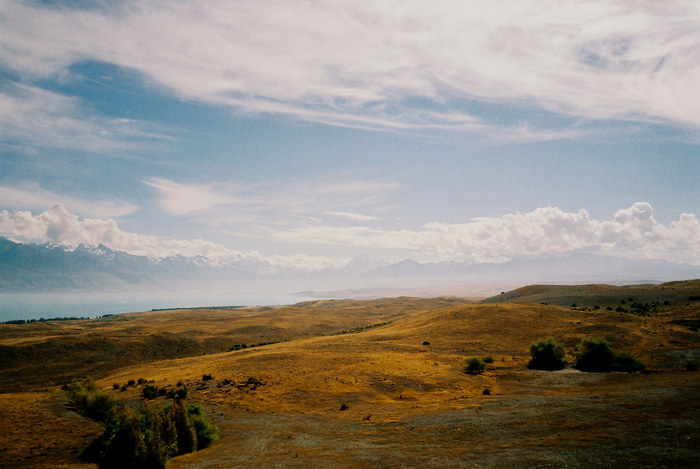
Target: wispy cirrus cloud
274	202
32	117
543	232
31	196
351	216
391	65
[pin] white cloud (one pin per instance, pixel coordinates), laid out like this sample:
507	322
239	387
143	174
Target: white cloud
363	63
182	199
351	216
544	232
34	197
231	203
59	226
33	117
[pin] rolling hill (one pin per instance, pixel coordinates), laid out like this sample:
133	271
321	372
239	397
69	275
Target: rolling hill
379	383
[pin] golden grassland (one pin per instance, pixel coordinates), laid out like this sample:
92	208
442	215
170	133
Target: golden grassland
333	392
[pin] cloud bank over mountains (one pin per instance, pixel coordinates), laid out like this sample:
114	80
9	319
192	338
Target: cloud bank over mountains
544	232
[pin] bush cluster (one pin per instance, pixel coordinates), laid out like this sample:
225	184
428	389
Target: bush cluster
595	354
592	354
147	438
547	354
94	402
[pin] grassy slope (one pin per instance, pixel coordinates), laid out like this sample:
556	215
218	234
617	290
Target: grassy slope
410	404
602	295
55	352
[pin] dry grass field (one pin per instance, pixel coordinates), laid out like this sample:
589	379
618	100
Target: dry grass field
378	383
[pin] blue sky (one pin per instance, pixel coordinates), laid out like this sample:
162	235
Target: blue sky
306	133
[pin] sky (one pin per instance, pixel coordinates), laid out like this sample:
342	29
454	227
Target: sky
307	133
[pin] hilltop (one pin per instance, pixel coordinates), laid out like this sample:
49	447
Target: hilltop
602	295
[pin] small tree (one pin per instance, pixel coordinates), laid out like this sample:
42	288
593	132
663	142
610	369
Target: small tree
547	354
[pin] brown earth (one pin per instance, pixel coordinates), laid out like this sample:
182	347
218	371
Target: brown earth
406	400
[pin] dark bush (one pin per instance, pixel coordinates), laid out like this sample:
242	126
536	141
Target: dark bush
547	354
207	377
488	359
691	366
474	366
595	354
149	391
186	435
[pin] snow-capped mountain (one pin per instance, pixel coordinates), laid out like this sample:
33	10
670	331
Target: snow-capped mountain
50	267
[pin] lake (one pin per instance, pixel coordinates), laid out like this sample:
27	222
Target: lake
49	305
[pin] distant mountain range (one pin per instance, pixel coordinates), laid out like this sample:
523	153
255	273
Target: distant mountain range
50	267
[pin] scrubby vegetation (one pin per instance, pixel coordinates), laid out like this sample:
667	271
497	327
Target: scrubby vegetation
143	438
94	402
595	354
147	438
474	366
547	354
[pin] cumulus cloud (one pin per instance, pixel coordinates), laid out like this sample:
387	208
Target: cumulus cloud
58	225
391	64
632	233
543	232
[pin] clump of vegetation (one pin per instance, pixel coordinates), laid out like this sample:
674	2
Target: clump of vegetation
691	366
147	438
547	354
207	377
149	391
487	358
94	402
474	366
595	354
144	438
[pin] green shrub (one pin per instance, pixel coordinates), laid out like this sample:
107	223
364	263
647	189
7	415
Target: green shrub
96	403
547	354
147	438
488	359
474	366
595	354
205	430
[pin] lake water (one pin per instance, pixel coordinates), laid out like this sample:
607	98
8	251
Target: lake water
15	306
